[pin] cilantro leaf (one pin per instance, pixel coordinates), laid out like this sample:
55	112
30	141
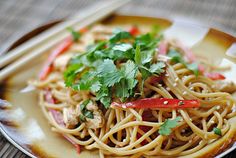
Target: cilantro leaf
121	90
121	51
157	68
76	35
104	95
155	30
111	78
118	35
129	69
106	67
217	131
193	67
84	111
95	86
177	58
137	57
71	73
166	127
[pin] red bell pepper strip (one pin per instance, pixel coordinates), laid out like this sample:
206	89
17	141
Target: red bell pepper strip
201	68
159	103
163	48
134	31
215	76
61	48
59	119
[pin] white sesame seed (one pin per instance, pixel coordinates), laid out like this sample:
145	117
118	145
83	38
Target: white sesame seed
160	85
218	107
212	121
123	106
124	140
166	75
168	89
177	79
191	88
190	119
175	84
165	102
183	130
184	93
200	142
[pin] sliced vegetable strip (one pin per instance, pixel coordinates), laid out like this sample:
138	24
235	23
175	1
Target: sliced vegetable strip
61	48
59	119
215	76
159	103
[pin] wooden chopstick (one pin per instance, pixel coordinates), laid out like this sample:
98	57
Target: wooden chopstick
39	45
49	34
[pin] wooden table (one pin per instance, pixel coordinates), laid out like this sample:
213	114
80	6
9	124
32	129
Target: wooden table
19	16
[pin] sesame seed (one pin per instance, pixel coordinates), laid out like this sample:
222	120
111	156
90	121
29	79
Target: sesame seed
218	107
168	89
175	84
212	121
177	79
123	106
184	93
166	75
160	85
191	88
165	102
180	103
200	142
183	130
190	119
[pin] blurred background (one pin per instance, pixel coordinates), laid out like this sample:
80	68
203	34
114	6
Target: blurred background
18	17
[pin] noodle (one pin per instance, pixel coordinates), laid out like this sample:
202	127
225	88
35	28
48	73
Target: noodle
125	132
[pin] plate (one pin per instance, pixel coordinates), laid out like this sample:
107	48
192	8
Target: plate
24	125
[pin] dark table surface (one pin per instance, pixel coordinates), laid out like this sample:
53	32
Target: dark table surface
18	17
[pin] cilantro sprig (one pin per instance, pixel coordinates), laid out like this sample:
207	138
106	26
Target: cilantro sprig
166	127
177	58
96	70
85	113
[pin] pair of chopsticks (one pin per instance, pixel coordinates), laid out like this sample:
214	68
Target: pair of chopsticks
20	56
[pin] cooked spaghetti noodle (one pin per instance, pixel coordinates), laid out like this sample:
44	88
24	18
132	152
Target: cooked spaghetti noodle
119	130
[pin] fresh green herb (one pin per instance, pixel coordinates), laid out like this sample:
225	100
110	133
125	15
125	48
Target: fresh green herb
76	35
166	127
155	30
177	58
217	131
96	70
118	35
85	113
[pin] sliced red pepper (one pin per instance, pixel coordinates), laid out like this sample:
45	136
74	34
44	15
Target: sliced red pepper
59	119
201	68
215	76
134	31
159	103
61	48
163	48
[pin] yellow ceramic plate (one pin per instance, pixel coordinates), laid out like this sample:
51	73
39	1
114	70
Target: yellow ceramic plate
23	123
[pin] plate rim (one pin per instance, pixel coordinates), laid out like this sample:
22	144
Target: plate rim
189	21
